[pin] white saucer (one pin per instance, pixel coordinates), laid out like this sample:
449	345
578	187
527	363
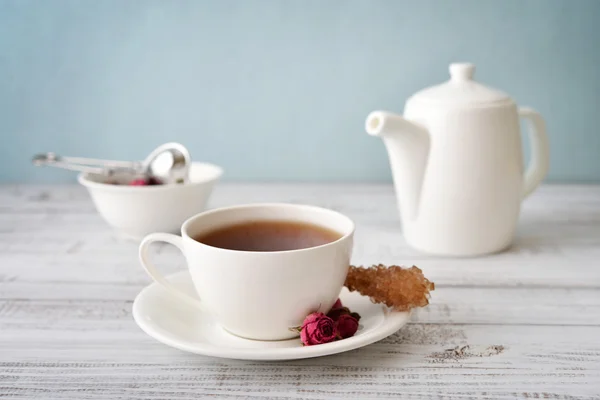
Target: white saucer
187	328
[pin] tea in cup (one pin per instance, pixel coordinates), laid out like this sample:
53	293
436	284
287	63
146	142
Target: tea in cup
260	269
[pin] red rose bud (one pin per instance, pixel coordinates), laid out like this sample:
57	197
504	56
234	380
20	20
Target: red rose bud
138	182
337	304
153	181
346	326
335	313
317	328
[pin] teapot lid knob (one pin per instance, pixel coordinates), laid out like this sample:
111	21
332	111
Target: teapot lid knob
461	90
460	72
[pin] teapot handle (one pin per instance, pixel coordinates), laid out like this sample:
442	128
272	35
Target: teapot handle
540	150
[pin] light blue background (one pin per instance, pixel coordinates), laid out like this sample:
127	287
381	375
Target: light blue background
279	90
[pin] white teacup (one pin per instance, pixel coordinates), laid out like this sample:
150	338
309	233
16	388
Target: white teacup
260	295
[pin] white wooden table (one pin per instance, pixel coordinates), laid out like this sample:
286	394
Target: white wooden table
521	324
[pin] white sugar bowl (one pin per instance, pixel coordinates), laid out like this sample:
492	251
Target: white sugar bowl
135	211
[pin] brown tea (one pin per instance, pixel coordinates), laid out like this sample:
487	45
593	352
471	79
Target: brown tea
268	236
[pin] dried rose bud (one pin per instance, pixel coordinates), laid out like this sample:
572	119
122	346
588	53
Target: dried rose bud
346	326
138	182
335	313
153	181
337	304
317	328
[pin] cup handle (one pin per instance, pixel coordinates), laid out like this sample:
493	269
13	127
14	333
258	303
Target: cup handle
151	269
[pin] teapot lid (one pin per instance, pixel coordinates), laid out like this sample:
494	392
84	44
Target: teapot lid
461	90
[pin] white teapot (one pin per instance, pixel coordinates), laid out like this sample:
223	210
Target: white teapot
457	164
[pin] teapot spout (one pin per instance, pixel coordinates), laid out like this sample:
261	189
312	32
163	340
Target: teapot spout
407	144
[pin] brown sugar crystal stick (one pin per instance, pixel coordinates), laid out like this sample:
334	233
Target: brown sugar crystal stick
394	286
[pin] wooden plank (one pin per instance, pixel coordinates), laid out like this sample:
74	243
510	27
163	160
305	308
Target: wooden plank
421	361
100	355
468	305
558	243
